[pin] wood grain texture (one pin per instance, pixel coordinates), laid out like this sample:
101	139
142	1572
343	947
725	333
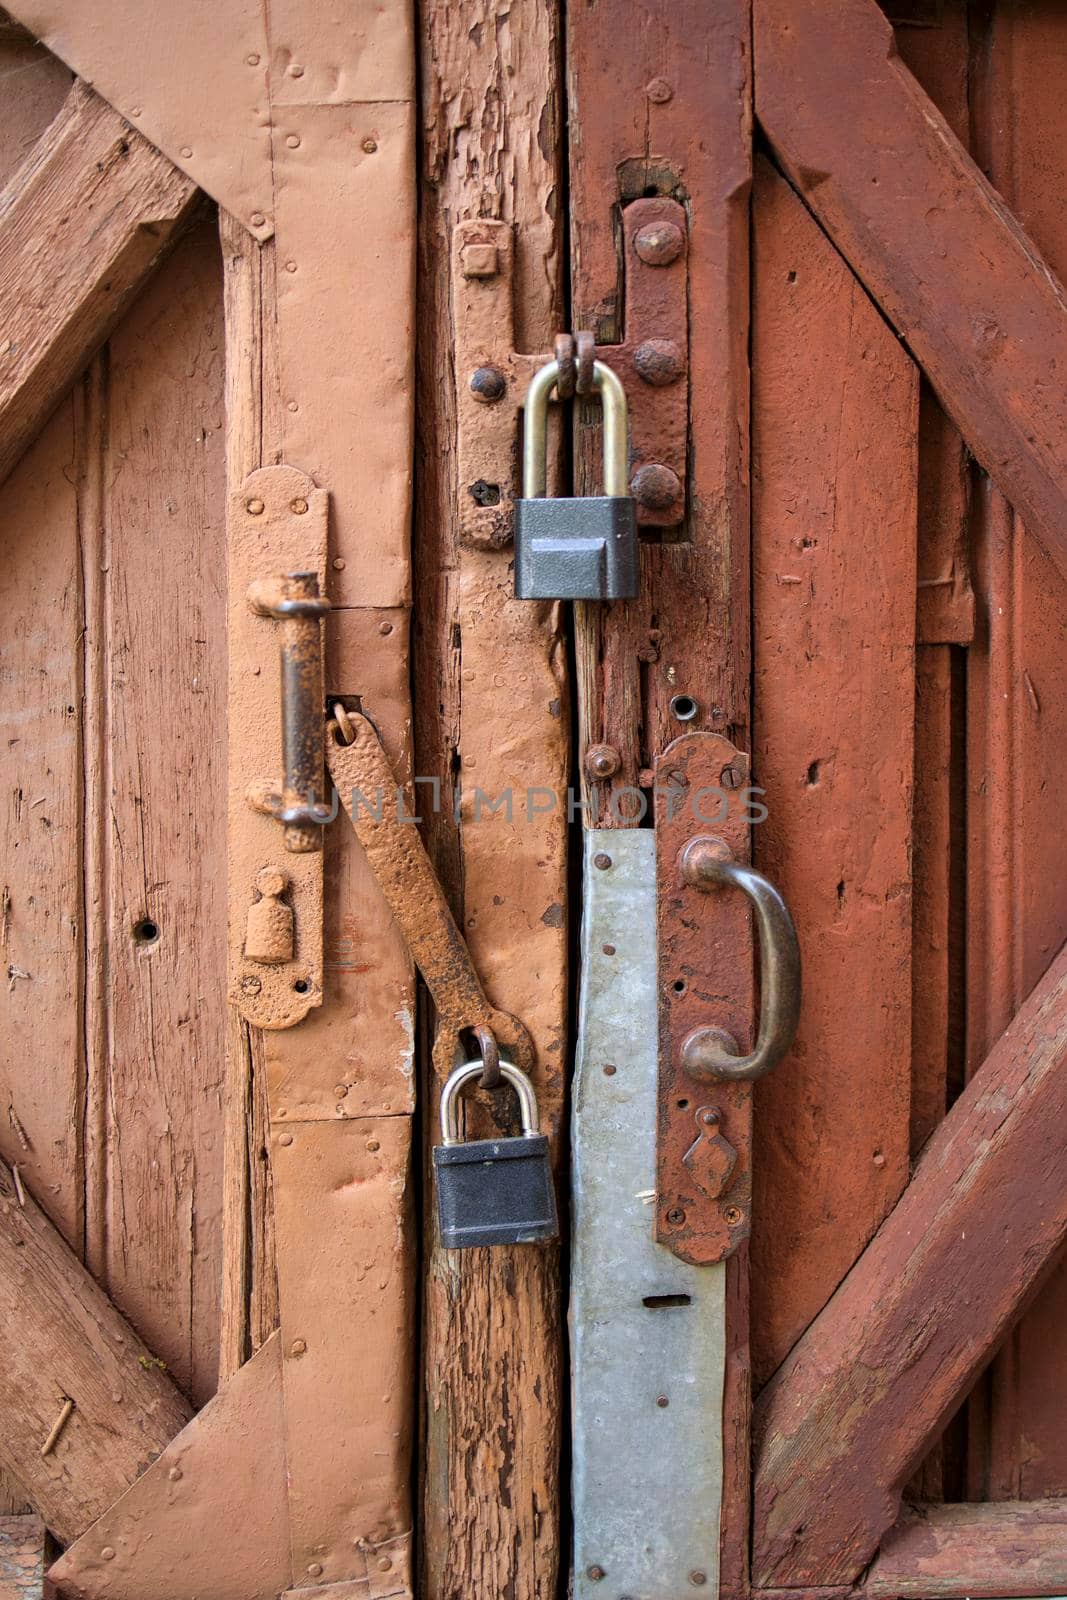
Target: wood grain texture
491	708
1017	760
83	222
978	1550
834	447
63	1339
902	200
875	1377
152	517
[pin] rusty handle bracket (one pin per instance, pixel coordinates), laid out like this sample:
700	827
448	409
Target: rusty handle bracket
711	1053
294	600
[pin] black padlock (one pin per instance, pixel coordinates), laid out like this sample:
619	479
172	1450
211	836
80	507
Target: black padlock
493	1191
583	548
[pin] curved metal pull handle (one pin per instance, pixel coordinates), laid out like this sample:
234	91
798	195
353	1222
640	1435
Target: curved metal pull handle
706	863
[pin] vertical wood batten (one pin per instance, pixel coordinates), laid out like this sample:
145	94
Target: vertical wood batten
491	710
834	469
1017	738
660	100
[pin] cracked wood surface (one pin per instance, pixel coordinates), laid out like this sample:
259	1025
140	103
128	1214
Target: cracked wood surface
871	1382
492	714
83	223
64	1340
977	1550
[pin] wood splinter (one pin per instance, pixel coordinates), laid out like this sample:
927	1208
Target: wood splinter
57	1427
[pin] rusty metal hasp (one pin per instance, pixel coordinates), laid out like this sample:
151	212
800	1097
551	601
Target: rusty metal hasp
651	363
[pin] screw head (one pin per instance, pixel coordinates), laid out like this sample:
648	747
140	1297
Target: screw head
732	1216
488	384
610	1070
108	1553
659	91
251	985
602	761
595	1573
602	861
662	1401
369	146
255	508
285	1138
698	1578
676	1216
731	776
175	1474
314	1569
298	506
659	362
298	1347
655	486
659	243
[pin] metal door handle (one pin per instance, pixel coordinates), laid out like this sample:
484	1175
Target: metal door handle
706	863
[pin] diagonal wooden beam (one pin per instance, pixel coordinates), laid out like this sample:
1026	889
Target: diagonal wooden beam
877	1374
61	1341
930	238
83	222
1018	1547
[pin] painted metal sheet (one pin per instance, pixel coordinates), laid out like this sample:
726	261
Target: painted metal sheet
647	1330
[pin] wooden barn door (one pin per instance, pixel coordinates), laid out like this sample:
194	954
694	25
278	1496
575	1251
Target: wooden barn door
273	279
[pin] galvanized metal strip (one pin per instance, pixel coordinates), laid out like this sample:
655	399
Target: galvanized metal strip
647	1330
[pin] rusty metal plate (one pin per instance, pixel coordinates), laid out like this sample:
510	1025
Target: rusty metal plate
706	979
492	378
647	1329
276	524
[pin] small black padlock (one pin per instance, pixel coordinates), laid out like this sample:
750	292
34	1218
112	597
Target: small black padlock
584	548
493	1191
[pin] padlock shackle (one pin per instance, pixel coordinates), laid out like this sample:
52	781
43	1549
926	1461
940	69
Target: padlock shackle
535	431
466	1073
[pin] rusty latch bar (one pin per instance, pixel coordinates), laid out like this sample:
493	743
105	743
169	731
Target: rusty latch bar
652	362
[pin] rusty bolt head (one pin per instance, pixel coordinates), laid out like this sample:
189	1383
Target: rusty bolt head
251	985
662	1401
298	506
369	146
314	1569
676	1216
659	362
656	487
595	1573
698	1578
108	1553
602	761
298	1347
659	243
610	1070
602	861
384	1564
480	261
488	384
732	776
254	508
659	91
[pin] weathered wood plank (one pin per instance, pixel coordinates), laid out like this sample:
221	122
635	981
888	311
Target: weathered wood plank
22	1542
63	1339
154	1104
902	200
834	448
874	1378
491	709
83	222
1017	757
976	1550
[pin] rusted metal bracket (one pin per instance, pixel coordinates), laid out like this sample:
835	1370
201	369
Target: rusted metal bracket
277	570
706	979
492	378
704	810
